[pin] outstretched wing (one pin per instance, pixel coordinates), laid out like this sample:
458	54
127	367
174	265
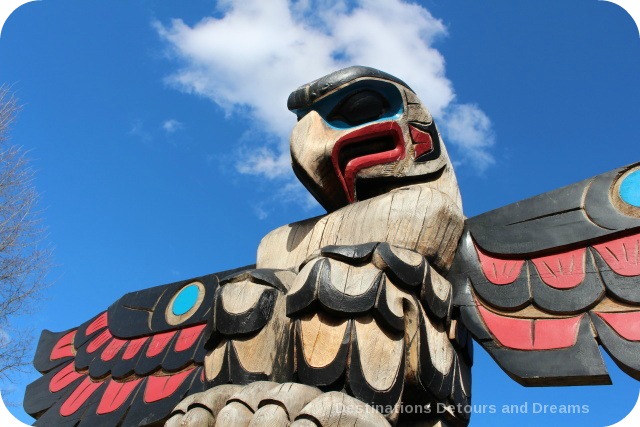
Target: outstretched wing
541	283
129	365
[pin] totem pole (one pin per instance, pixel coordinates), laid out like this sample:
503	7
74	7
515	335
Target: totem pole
350	316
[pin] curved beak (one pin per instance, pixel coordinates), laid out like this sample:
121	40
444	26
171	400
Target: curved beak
372	145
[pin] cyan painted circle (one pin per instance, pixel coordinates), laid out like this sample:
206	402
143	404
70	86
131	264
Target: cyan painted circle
630	189
186	299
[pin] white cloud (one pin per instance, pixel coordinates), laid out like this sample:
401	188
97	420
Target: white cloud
251	58
172	125
264	161
470	129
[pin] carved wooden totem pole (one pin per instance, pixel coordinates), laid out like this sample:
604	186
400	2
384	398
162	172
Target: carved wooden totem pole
348	317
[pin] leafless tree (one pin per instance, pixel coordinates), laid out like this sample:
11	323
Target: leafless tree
24	259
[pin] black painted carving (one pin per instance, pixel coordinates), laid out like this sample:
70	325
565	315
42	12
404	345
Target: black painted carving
624	288
382	311
302	300
307	94
248	322
339	303
553	220
42	360
400	272
625	353
350	254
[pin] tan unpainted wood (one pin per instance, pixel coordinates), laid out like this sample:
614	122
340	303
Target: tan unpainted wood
441	350
408	257
396	297
416	217
411	310
408	208
352	280
217	397
311	144
267	350
337	409
195	417
606	305
239	297
415	111
190	411
321	336
453	329
302	277
252	394
183	406
465	375
229	405
304	422
181	417
529	312
214	359
270	416
441	286
234	414
286	277
381	353
291	396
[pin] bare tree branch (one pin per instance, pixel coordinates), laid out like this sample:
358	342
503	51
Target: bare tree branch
24	259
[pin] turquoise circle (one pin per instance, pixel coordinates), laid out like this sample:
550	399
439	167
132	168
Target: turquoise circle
630	189
186	299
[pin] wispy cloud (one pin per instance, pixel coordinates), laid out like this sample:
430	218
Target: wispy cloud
139	131
255	53
260	211
470	129
172	126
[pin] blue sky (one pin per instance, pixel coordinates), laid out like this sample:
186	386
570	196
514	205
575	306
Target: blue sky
158	131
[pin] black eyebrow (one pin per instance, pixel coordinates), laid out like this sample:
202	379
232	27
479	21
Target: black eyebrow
303	97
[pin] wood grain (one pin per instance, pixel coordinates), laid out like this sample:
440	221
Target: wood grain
239	297
268	349
416	217
321	337
380	353
339	410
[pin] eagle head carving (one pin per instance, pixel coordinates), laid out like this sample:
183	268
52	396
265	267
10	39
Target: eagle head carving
361	133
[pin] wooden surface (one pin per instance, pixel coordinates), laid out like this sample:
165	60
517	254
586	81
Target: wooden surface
350	315
417	217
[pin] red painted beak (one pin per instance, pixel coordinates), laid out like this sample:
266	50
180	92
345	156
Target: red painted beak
372	145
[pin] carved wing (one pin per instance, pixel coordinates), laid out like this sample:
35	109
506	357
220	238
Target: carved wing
129	365
541	283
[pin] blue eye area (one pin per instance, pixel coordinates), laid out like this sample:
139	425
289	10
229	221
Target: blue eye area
186	300
368	101
630	189
359	108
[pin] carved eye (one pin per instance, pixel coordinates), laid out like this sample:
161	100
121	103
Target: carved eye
185	303
361	107
630	189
